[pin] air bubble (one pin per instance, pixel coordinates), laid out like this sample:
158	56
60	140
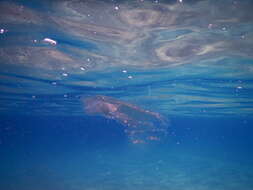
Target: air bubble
50	41
2	31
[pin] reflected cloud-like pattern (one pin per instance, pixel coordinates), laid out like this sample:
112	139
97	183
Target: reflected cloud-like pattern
141	126
18	14
139	31
134	27
112	47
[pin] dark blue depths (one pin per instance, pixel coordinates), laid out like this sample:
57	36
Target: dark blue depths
94	153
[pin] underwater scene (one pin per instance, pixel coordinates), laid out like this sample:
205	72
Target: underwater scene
126	95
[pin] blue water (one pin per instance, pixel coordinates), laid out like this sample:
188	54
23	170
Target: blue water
185	67
93	153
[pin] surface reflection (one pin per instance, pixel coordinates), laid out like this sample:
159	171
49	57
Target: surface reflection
184	50
134	34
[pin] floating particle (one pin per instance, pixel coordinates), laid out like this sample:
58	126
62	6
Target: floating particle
82	68
130	77
239	87
33	97
116	8
50	41
124	71
65	95
2	31
54	83
65	74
